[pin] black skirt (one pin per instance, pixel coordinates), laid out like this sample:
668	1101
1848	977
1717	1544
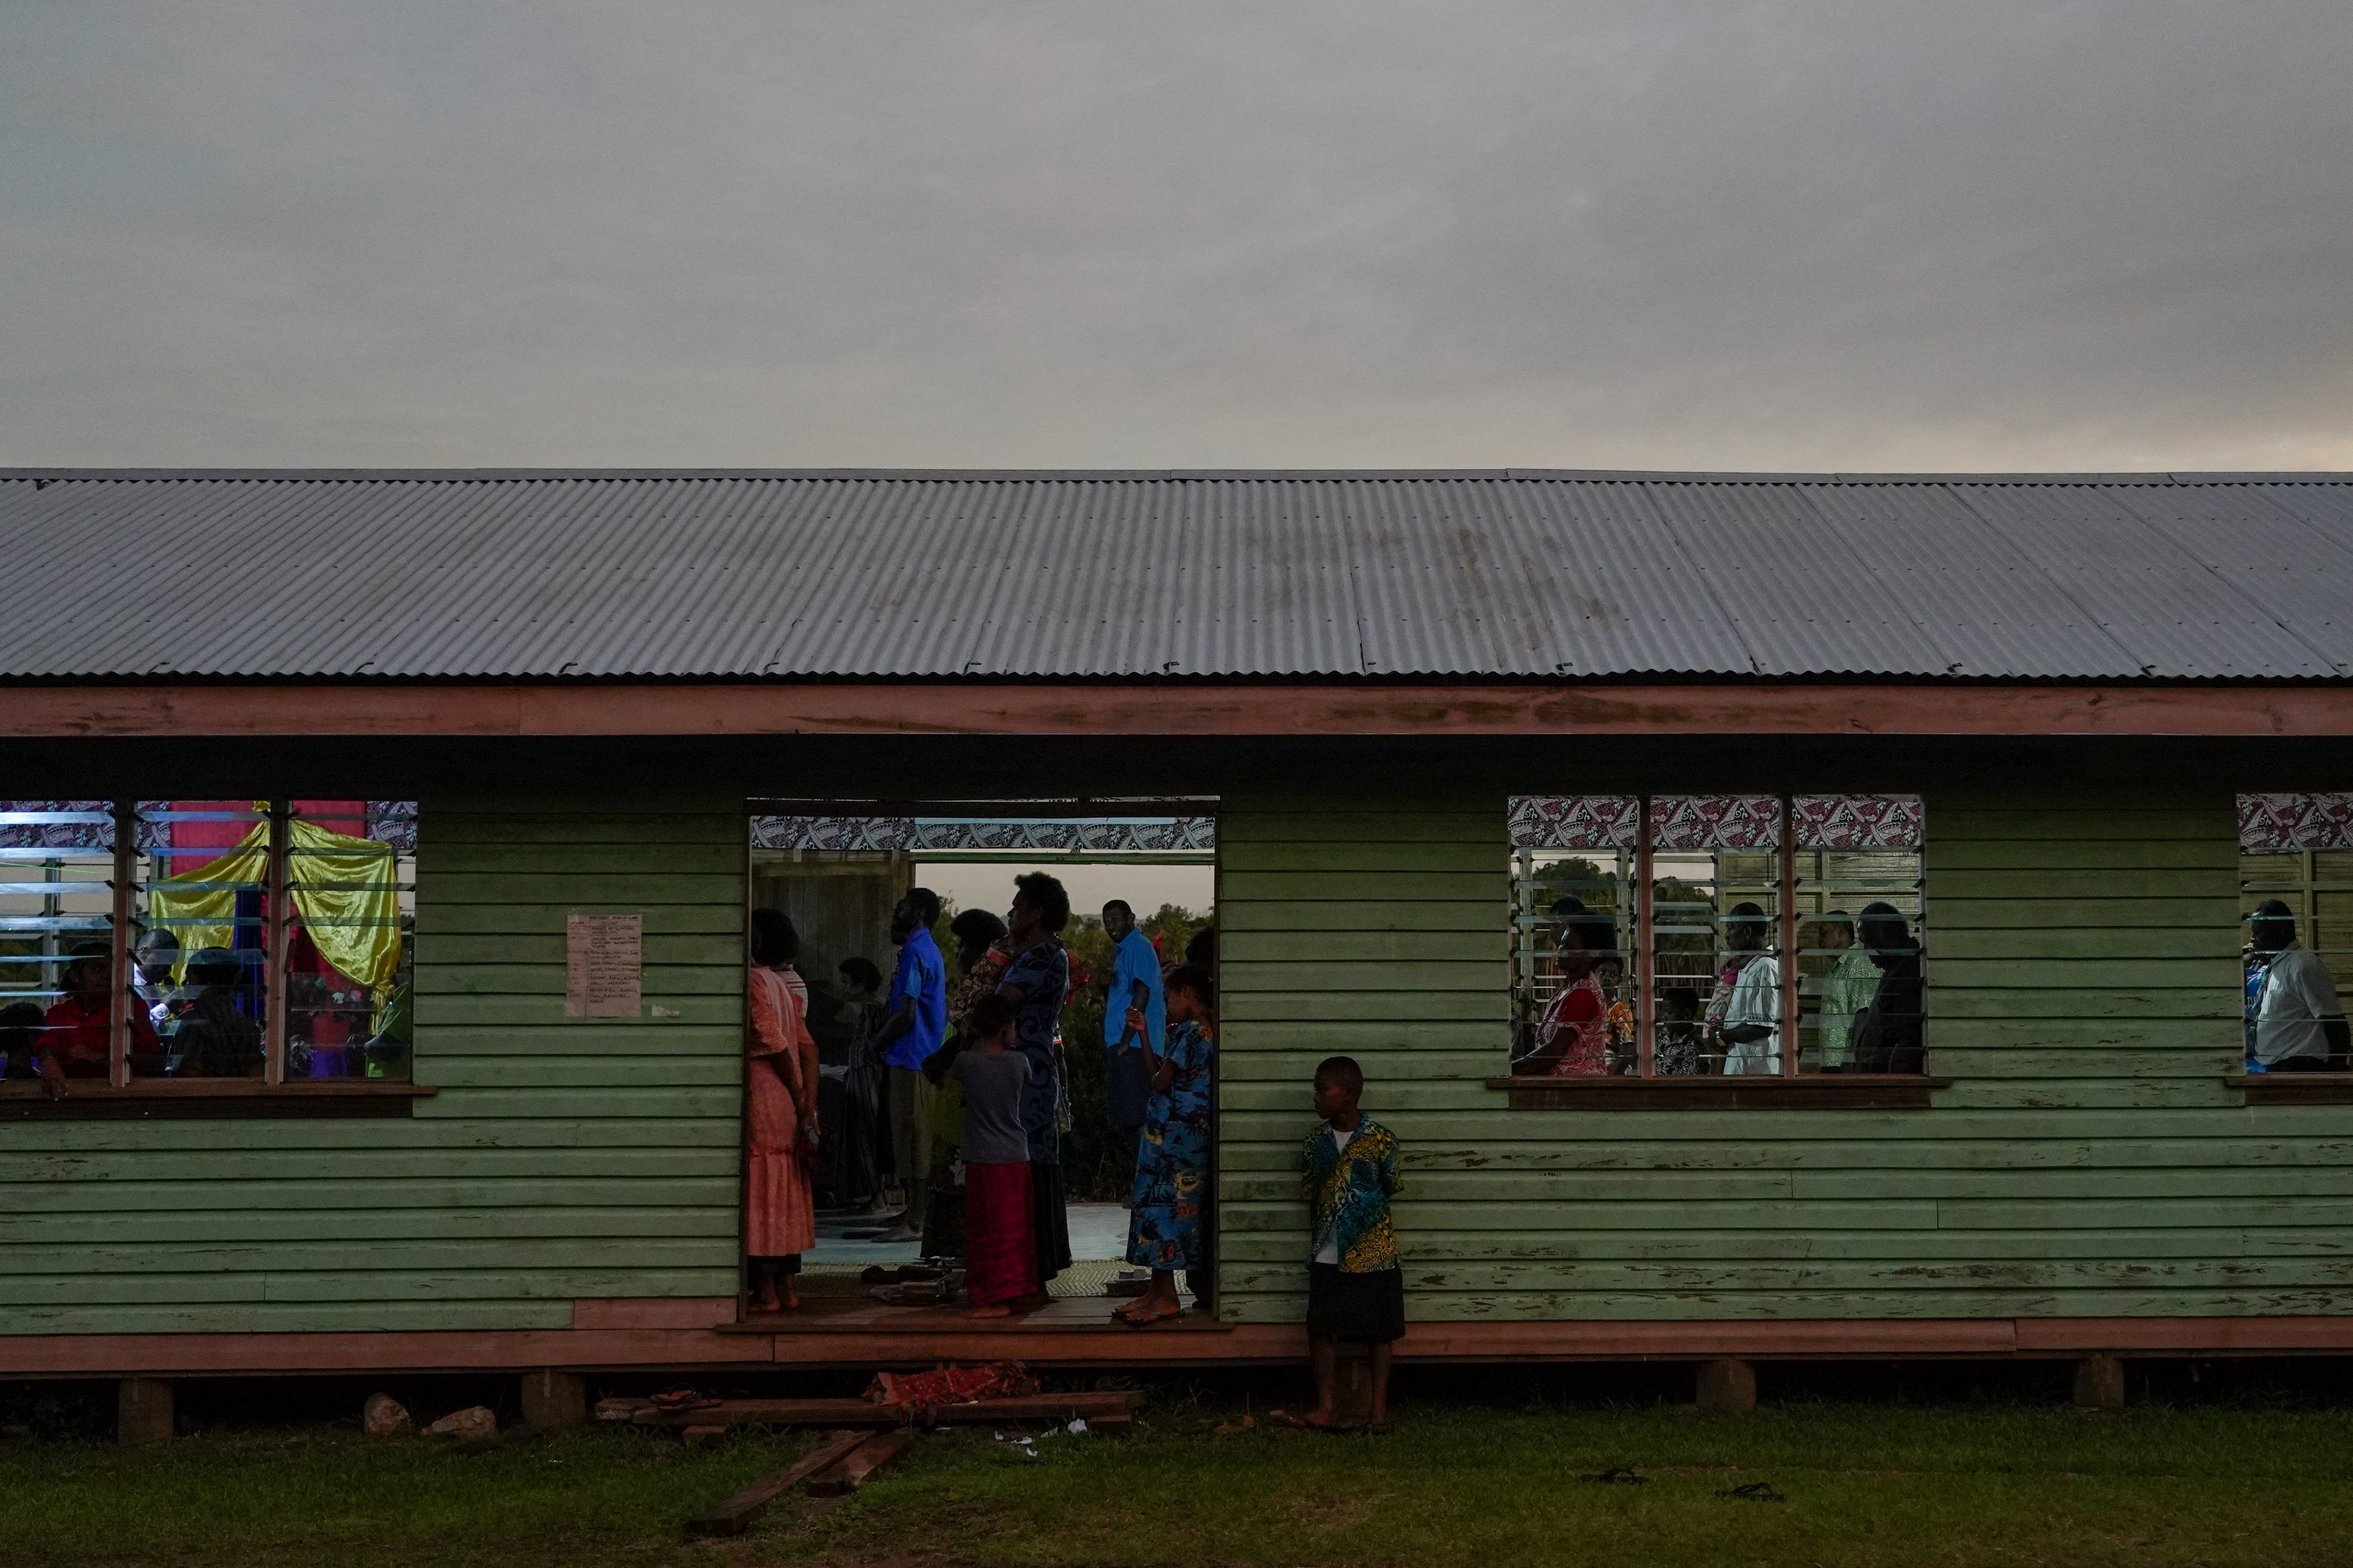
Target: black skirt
1344	1306
1048	1220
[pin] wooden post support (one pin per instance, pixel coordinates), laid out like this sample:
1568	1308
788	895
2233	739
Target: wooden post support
1788	943
1646	983
1726	1387
555	1398
2099	1383
278	929
143	1411
119	972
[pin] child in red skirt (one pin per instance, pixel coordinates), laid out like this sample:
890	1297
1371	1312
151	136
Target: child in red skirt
1000	1253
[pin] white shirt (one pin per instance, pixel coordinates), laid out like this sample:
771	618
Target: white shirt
1755	999
2298	995
1331	1249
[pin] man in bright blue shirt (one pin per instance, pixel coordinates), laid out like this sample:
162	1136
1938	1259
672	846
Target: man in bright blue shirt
1134	983
916	1027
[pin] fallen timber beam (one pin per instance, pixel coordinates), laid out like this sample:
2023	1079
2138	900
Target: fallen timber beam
863	1463
1115	1407
735	1515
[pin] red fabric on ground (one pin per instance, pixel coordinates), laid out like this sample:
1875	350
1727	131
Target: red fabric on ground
923	1392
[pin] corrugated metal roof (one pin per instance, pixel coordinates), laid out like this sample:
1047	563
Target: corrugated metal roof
864	575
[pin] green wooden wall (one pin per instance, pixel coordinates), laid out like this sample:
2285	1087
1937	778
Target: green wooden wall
2088	1161
562	1158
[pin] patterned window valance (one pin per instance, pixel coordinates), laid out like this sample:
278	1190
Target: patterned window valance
1716	821
89	825
918	835
1857	821
2291	824
1575	821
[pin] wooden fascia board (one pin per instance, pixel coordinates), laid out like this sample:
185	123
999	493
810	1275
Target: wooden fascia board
885	708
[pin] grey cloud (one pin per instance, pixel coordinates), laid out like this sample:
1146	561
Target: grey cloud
1700	234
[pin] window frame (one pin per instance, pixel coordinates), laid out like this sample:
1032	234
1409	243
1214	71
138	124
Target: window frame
1787	1087
271	1094
2315	823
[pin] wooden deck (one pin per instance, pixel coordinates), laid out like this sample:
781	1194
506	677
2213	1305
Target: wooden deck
698	1335
837	1326
831	1314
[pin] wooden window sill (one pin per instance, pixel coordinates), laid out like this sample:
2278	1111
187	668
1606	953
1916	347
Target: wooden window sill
2296	1087
1806	1092
218	1098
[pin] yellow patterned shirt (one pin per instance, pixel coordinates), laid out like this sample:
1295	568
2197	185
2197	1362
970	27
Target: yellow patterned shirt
1348	1192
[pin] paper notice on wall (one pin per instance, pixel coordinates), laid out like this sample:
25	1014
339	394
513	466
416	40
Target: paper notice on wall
604	965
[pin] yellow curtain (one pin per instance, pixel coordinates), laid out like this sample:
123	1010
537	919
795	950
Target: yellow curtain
214	909
355	921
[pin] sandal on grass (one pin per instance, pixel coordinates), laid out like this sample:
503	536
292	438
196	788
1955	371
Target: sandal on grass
1301	1423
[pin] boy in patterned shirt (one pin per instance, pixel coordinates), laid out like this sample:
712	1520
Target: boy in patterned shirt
1355	1290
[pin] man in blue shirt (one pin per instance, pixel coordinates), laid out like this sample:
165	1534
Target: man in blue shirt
917	1024
1134	983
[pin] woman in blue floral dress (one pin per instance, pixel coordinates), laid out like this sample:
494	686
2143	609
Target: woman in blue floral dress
1172	1157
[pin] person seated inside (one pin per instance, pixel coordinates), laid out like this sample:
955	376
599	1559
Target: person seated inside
159	955
74	1033
20	1039
331	1030
862	983
2299	1022
1889	1034
215	1040
1676	1051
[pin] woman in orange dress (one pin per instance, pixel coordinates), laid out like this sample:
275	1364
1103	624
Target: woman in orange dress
780	1090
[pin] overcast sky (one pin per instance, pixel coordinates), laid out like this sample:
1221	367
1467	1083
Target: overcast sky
2108	235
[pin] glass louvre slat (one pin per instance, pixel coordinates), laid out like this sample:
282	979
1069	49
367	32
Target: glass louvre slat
54	898
338	1025
1716	877
57	870
1572	855
1712	856
2297	848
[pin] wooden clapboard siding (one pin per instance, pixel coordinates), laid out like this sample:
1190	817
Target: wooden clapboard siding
2088	1162
561	1159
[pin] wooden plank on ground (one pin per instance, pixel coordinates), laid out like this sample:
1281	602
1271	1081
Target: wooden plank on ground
863	1463
859	1413
735	1515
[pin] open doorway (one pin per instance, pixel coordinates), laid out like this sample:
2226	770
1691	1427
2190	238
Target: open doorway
887	1175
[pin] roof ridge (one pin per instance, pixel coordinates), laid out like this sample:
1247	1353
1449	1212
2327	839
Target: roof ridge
1117	476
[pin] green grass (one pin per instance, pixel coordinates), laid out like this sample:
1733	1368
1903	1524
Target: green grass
1866	1485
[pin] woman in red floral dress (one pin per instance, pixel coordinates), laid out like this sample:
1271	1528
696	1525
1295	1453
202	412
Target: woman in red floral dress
1573	1039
